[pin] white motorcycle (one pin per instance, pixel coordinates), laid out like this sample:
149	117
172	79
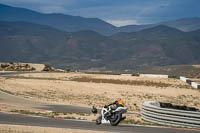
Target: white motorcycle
112	117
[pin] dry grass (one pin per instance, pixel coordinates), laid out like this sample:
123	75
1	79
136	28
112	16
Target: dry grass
93	89
31	129
121	82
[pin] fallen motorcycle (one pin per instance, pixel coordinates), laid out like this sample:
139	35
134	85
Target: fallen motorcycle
113	117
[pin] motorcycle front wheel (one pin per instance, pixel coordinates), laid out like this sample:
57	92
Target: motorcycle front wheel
98	120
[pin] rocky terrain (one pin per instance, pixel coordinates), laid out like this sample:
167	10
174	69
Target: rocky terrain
16	67
27	67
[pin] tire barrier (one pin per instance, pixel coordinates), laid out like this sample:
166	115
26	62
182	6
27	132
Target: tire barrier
172	115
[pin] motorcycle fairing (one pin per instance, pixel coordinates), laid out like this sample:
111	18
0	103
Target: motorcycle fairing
104	111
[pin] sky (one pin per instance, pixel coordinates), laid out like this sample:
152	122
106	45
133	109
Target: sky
117	12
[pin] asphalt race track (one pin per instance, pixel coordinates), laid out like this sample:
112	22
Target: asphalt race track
15	119
19	101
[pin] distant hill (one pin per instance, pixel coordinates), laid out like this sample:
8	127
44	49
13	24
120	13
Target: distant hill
185	24
76	23
60	21
134	28
157	46
28	42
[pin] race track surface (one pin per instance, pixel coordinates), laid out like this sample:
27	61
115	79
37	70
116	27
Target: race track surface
15	119
24	102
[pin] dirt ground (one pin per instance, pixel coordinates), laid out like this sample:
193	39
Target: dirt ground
197	66
31	129
38	67
96	89
196	80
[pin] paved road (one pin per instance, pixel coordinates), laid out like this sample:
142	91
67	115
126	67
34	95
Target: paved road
19	101
22	102
15	119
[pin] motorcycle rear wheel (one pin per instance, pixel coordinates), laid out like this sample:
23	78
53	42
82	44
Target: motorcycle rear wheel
117	120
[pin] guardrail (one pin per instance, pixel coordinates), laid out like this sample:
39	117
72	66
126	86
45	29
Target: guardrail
152	112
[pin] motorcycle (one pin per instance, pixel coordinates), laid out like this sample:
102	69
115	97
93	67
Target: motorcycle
113	117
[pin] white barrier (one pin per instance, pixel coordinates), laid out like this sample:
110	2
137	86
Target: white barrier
154	76
126	74
183	79
195	85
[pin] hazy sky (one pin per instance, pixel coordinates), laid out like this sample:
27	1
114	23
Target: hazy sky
117	12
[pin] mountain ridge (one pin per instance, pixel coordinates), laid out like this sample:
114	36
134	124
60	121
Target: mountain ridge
71	23
60	21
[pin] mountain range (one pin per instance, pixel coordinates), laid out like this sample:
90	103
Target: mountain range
24	37
76	23
157	46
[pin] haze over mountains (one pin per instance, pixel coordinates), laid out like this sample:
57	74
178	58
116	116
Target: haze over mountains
29	36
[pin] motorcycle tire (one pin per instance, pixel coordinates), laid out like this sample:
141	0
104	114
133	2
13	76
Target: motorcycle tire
98	120
116	121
